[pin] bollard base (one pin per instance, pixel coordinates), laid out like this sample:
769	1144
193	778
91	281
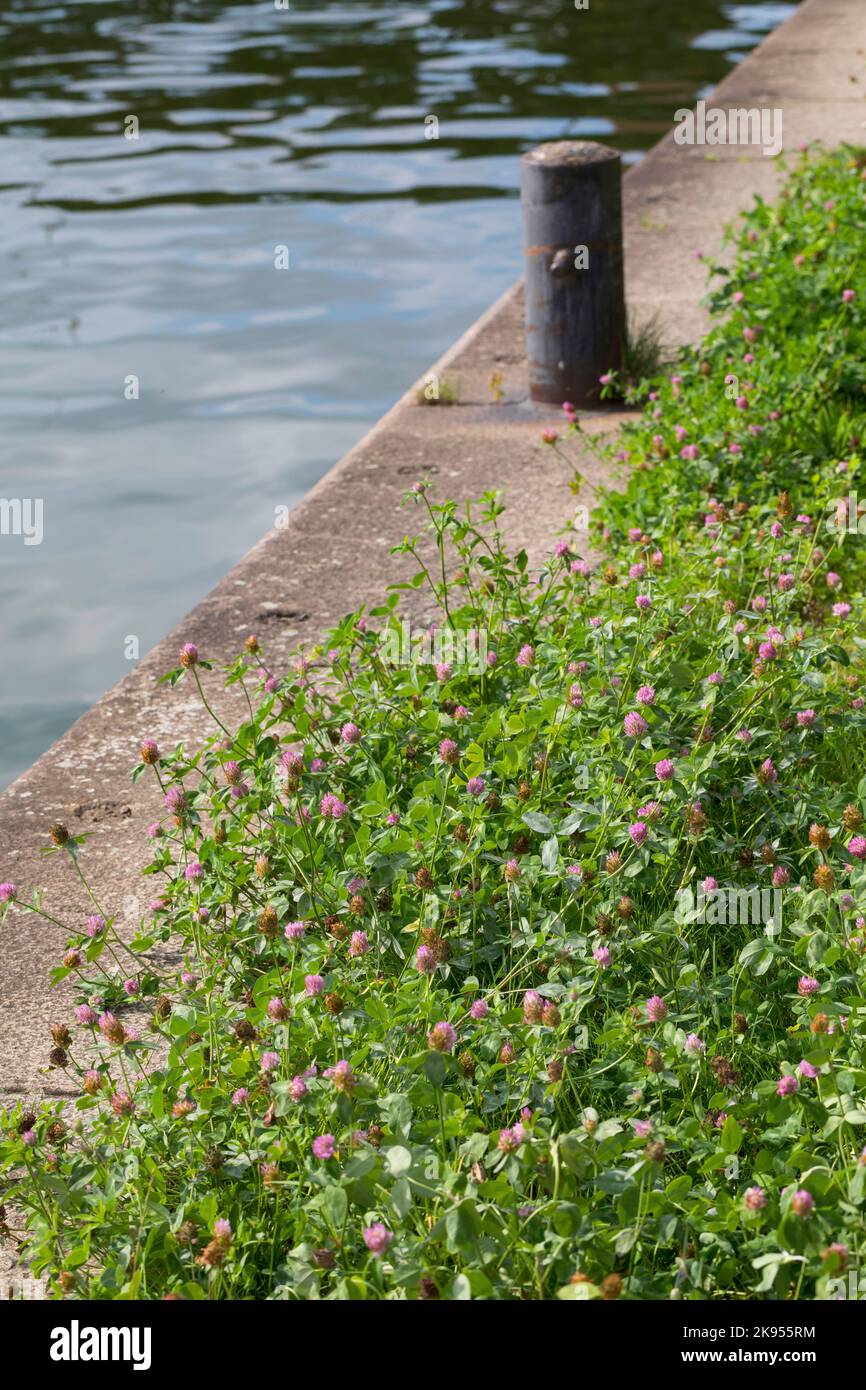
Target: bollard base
584	396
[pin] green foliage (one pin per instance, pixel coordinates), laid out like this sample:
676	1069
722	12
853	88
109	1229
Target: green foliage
656	1094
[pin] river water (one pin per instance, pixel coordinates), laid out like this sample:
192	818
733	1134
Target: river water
165	385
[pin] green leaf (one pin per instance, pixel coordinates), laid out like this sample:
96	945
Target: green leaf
550	853
732	1136
680	676
615	1182
401	1198
398	1159
434	1068
678	1188
462	1226
335	1205
625	1240
606	1130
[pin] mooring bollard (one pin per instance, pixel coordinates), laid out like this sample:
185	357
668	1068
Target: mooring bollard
575	297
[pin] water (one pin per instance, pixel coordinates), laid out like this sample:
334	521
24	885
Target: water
154	258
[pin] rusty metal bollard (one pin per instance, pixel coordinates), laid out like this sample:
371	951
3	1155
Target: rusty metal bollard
575	296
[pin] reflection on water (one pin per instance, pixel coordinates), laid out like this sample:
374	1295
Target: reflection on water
146	267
